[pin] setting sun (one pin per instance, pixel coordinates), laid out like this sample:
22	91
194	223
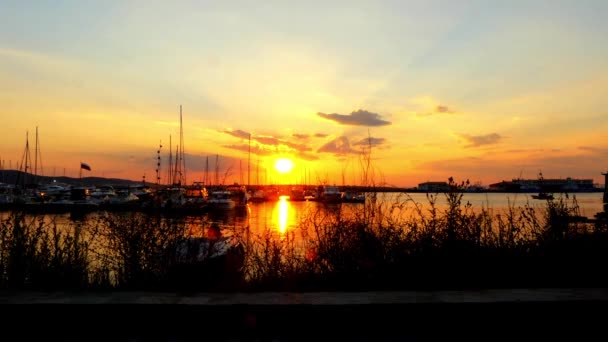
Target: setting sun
283	165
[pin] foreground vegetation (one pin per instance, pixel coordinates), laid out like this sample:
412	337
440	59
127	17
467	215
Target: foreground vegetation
391	245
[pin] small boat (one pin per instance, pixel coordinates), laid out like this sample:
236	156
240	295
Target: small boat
353	197
330	194
210	261
543	196
221	199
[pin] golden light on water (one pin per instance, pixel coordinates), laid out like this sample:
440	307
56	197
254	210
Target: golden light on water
283	214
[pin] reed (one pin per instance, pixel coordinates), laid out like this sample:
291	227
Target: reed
394	244
37	254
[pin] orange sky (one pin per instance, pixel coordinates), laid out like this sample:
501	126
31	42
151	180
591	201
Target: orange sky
471	90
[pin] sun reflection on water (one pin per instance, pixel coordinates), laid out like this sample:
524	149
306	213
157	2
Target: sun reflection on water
283	214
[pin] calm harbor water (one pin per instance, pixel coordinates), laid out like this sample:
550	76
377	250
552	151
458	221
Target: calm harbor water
284	216
263	224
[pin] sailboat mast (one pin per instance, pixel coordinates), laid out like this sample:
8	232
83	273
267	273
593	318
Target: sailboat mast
39	153
207	171
217	170
249	164
25	160
175	179
170	173
36	155
182	148
160	146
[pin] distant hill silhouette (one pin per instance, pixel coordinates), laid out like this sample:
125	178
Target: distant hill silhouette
18	177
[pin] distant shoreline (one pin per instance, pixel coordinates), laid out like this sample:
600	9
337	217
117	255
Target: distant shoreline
13	176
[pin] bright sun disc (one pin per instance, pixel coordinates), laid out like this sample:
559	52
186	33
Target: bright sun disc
283	165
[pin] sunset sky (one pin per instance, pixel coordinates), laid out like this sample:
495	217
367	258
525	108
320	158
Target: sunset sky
478	90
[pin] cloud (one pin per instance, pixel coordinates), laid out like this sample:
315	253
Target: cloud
481	140
300	136
299	147
443	109
594	149
307	156
255	149
238	133
266	145
321	135
267	140
439	109
370	141
523	150
36	59
268	150
339	145
358	118
276	142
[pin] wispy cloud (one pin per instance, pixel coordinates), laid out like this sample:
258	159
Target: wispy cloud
594	149
439	109
481	140
36	58
523	150
238	133
255	149
307	156
300	136
340	146
358	118
321	135
443	109
299	147
370	141
267	144
278	142
269	150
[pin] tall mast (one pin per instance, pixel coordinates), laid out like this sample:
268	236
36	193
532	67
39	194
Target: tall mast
25	161
182	148
36	155
207	171
175	179
217	170
39	155
249	164
160	146
170	173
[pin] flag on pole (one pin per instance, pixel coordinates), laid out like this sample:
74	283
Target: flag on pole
85	166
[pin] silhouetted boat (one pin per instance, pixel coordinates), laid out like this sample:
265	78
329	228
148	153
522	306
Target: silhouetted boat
329	194
209	261
353	197
543	196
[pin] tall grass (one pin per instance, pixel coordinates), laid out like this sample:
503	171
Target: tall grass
394	244
35	254
403	244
